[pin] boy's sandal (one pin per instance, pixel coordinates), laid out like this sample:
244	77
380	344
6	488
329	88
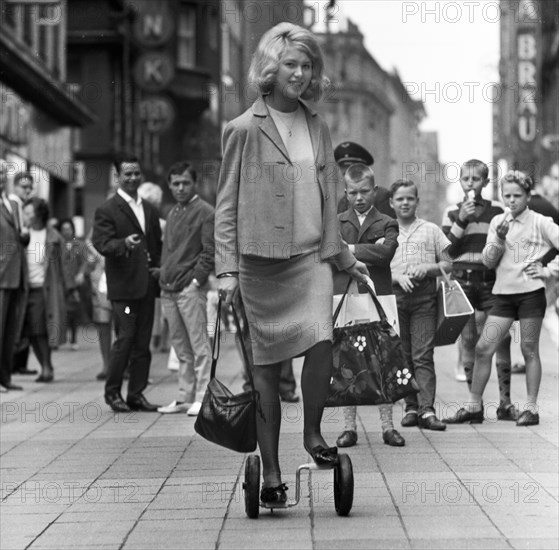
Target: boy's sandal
274	495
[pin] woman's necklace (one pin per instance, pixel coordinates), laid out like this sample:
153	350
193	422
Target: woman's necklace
282	117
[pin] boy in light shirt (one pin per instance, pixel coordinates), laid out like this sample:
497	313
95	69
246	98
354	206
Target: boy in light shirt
421	254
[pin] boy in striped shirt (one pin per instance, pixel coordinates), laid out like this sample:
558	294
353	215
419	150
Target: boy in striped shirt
466	225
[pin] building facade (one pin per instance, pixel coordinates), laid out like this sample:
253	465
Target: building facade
243	24
151	72
371	106
39	112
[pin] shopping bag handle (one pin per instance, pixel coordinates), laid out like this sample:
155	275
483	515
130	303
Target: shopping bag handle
216	344
372	294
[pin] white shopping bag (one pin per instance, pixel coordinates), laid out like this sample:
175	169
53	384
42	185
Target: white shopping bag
360	308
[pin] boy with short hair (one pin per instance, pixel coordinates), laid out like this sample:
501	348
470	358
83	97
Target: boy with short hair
373	239
466	225
417	263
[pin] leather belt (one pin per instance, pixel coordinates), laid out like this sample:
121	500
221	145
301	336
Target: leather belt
474	275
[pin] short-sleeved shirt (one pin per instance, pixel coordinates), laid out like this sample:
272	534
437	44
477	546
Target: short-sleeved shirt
422	242
529	238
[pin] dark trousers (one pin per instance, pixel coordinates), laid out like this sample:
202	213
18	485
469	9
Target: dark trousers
133	325
9	328
417	313
21	356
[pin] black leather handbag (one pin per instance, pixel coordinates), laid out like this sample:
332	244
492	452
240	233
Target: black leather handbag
227	419
370	367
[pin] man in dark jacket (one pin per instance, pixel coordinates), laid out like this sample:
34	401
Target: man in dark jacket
188	260
126	231
13	280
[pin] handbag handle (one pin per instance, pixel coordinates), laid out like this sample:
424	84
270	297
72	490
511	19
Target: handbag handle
445	276
216	344
372	294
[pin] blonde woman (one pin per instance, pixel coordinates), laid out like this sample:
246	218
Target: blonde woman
277	236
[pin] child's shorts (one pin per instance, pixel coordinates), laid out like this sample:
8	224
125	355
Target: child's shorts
528	305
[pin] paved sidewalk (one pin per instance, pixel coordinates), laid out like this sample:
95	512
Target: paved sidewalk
74	475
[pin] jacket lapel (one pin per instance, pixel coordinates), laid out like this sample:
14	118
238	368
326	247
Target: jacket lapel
268	127
10	218
369	220
123	205
314	129
351	217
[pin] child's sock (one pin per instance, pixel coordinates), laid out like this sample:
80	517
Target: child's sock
349	418
504	376
469	372
532	406
474	404
386	417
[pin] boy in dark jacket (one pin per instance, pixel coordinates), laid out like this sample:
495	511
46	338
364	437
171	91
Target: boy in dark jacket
373	239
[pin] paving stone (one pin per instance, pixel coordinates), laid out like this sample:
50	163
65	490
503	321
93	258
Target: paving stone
131	482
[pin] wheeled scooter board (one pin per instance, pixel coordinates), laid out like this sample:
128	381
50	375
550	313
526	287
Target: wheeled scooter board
343	486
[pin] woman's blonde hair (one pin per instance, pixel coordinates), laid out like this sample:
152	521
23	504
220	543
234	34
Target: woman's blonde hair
271	48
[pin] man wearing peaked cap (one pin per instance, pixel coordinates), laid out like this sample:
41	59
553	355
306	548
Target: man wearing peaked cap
350	152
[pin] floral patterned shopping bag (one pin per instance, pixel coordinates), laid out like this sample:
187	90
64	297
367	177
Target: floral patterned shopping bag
369	364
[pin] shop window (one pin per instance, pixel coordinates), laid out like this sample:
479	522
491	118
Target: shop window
186	37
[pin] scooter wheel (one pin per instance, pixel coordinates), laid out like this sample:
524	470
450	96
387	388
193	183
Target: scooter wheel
343	485
251	486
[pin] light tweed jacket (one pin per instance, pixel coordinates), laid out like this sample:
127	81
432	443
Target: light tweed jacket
254	209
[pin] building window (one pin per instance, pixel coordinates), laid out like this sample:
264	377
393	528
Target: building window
213	29
186	37
39	28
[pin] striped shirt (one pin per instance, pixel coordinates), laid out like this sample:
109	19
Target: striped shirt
468	238
421	243
529	237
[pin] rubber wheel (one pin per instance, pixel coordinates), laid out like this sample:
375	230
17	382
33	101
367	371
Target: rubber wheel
251	486
343	485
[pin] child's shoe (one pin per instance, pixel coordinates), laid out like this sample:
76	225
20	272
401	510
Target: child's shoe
507	412
528	418
464	416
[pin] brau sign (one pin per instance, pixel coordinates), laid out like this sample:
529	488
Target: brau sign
527	85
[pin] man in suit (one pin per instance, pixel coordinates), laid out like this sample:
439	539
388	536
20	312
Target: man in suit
13	280
126	231
23	189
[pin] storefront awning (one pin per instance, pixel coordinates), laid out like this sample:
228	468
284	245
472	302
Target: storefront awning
34	83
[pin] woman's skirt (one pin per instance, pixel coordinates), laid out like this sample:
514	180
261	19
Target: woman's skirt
288	305
36	314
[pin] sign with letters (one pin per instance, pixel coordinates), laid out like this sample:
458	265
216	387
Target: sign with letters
153	71
157	113
153	24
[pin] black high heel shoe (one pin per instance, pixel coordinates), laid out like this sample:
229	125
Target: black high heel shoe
323	456
274	495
